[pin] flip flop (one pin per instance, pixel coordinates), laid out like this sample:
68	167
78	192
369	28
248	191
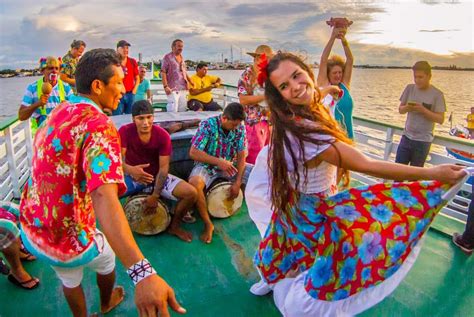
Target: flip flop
27	257
16	282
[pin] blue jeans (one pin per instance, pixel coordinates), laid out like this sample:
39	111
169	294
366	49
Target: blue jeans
468	235
412	152
125	104
135	187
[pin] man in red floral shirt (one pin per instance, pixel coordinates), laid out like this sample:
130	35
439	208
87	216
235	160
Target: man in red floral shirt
77	174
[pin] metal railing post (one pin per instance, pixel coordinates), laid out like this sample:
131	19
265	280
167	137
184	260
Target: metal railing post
388	144
14	175
224	97
28	141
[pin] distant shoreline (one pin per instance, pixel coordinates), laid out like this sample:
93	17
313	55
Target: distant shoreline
8	73
409	67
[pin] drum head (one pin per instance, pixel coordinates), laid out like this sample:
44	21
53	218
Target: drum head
218	204
144	220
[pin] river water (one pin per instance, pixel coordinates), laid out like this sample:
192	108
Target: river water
375	92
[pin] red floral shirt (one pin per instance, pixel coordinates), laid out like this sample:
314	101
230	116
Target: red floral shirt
74	153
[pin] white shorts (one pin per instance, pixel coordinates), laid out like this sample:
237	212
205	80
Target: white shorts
177	101
169	186
103	264
134	187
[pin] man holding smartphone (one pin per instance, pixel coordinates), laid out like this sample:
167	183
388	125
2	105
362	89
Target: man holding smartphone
425	106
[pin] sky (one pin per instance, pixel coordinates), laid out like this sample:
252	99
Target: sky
383	33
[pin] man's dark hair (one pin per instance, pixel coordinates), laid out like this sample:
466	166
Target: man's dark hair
201	65
234	111
78	44
423	66
95	64
176	41
141	107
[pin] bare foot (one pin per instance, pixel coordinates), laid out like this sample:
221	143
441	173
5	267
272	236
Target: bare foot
117	297
182	234
206	235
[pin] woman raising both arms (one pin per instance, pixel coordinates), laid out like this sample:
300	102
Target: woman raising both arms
326	255
335	71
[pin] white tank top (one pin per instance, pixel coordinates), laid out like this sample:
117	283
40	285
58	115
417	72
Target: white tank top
319	178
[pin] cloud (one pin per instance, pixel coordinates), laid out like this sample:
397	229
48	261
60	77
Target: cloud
32	29
439	31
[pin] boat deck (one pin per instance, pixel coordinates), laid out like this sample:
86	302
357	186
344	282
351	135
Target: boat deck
213	280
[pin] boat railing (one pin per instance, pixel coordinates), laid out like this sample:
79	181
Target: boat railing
376	139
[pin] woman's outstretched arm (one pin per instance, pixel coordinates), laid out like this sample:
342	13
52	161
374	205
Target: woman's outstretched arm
354	160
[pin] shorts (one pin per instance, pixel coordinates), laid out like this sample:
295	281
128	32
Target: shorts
201	171
134	187
103	264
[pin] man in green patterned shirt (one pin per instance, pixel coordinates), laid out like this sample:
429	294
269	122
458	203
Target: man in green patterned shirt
68	67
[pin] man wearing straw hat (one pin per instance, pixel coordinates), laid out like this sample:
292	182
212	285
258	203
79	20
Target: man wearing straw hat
39	99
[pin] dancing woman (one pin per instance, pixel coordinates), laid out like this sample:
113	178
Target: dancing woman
327	255
335	71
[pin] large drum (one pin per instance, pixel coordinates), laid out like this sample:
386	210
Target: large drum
218	204
144	220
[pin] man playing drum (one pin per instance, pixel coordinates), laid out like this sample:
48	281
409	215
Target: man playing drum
146	151
218	148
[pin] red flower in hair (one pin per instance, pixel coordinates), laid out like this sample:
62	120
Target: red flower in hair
262	70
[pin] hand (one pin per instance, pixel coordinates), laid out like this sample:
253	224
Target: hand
334	91
447	173
152	200
139	175
43	100
417	107
168	90
337	32
292	273
227	167
342	34
234	191
153	294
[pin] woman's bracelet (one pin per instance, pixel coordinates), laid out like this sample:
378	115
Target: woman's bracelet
140	270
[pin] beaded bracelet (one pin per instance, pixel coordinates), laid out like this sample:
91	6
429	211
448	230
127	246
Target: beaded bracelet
140	270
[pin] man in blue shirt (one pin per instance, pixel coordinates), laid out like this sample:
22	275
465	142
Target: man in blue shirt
38	100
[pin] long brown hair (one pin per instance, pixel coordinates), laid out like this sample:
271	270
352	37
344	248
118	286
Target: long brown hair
283	119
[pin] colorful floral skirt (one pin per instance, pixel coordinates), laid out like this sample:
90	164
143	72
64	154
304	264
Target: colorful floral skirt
350	241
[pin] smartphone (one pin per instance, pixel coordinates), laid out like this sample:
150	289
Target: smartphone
411	103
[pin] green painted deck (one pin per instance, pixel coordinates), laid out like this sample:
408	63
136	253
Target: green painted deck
213	280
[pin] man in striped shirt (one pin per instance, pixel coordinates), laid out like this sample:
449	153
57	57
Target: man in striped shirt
37	102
